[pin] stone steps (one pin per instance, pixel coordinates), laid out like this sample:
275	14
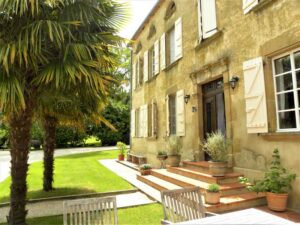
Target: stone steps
228	178
183	181
157	183
202	166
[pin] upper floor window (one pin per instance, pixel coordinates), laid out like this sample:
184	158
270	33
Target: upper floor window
286	70
207	19
171	46
137	73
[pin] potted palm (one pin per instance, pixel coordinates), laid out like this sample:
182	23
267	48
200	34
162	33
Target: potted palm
122	148
216	146
276	183
212	195
145	169
174	151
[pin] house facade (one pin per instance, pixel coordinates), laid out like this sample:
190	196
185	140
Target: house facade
204	65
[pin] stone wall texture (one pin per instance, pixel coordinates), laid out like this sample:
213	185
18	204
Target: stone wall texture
267	32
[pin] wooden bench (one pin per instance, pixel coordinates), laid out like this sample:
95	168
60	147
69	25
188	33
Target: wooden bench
136	159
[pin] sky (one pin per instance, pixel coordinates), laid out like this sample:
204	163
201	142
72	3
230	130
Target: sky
139	9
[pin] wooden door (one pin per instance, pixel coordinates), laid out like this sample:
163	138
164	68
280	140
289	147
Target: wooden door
213	108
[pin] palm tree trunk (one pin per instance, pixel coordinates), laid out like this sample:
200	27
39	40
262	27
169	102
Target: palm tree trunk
20	126
49	124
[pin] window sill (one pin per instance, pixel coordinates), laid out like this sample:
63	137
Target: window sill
173	64
152	78
203	43
282	136
262	4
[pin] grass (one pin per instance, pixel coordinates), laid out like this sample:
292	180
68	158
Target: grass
146	215
74	174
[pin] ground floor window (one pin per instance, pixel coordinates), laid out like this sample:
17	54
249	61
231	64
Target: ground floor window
286	71
172	114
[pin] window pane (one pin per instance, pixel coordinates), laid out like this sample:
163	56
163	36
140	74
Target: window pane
298	79
287	120
284	82
283	65
299	99
172	45
172	114
297	59
286	101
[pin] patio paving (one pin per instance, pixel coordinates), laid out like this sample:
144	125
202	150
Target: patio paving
129	175
53	208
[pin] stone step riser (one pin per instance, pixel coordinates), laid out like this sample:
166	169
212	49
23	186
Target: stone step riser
236	206
203	178
196	168
151	183
185	184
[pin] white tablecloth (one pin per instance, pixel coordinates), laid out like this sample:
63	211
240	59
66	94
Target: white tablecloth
248	216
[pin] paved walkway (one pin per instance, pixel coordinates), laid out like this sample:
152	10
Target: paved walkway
53	208
36	156
130	175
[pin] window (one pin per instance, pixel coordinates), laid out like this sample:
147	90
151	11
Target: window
137	123
151	62
286	71
171	46
172	114
139	71
207	19
152	119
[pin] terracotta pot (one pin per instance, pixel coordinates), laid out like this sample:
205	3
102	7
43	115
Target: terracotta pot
212	198
173	160
217	169
129	158
277	202
121	157
145	172
162	157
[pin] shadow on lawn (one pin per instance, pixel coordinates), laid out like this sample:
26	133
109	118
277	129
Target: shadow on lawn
111	154
58	192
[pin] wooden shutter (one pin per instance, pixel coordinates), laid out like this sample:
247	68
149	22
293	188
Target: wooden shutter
146	66
156	57
138	70
154	119
199	21
248	5
255	96
209	18
167	116
178	38
180	115
133	77
133	131
144	121
163	52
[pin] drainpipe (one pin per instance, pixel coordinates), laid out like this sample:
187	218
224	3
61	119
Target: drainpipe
130	139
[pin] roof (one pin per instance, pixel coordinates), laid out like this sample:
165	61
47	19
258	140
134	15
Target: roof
147	19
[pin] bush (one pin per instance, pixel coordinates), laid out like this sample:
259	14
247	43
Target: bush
213	188
217	146
4	136
69	137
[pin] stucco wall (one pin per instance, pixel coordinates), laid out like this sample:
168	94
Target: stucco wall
269	31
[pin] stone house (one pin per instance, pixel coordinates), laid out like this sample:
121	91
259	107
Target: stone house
232	65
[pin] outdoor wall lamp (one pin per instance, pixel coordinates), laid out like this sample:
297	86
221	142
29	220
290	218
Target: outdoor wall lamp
187	98
233	81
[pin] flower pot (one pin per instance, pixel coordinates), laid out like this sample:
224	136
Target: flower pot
217	169
173	160
277	202
121	157
145	172
212	198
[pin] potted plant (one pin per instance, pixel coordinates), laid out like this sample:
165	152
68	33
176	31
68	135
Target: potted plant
174	151
216	146
276	183
162	156
122	148
145	169
213	194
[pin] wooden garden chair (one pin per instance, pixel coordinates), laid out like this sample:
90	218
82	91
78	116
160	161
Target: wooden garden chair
92	211
182	205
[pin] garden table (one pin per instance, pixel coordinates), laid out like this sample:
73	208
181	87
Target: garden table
247	216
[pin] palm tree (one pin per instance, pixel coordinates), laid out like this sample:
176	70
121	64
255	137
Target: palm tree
49	43
66	109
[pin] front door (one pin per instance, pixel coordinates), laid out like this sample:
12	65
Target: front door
213	108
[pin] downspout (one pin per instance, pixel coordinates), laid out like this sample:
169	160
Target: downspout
130	142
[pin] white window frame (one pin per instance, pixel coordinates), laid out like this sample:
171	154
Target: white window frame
294	90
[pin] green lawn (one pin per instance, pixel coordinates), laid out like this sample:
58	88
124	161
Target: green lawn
141	215
74	174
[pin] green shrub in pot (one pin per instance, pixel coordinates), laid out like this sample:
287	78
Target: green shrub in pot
212	195
174	151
